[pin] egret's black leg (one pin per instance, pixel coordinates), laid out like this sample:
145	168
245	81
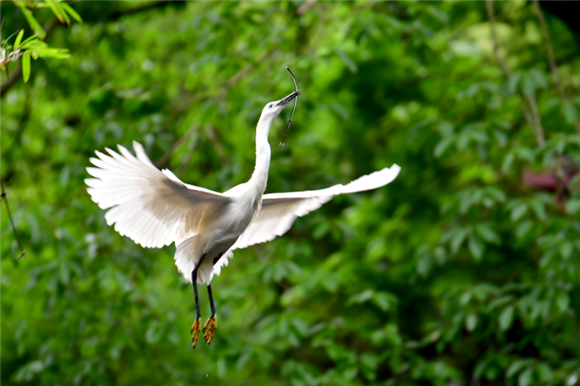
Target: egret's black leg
211	323
212	306
196	327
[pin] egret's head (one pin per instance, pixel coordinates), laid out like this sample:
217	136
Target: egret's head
273	109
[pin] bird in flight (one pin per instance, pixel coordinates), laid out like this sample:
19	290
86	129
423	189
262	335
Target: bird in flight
155	208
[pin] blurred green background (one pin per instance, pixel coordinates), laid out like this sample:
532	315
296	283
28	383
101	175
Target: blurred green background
464	271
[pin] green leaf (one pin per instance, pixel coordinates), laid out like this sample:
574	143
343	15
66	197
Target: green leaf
525	378
458	238
506	318
569	112
53	53
471	322
442	146
18	39
539	78
26	66
301	326
563	301
440	15
347	60
545	373
361	297
63	12
518	212
37	28
539	209
566	250
487	233
384	300
496	193
526	154
424	264
513	82
516	367
55	9
476	246
64	273
72	12
153	333
33	44
523	228
528	84
445	128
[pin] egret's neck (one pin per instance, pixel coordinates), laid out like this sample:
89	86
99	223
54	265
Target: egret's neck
260	175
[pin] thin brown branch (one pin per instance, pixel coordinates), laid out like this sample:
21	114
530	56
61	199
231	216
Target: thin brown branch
552	60
211	134
529	106
500	62
14	75
305	7
244	71
226	86
185	160
163	160
16	235
537	120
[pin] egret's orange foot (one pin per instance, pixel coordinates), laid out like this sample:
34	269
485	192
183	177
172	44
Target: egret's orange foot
210	326
195	329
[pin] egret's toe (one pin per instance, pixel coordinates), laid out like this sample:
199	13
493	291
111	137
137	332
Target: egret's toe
209	329
195	329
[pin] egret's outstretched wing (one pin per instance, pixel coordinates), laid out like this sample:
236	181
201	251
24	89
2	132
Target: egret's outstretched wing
152	207
279	210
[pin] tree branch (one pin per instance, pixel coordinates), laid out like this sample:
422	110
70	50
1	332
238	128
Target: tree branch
211	134
243	72
14	75
163	160
552	60
529	106
537	119
187	157
5	198
304	7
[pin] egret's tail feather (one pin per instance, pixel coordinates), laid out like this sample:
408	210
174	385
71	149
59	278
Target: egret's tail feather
186	257
222	262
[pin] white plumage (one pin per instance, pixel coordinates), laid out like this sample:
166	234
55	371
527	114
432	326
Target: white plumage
154	208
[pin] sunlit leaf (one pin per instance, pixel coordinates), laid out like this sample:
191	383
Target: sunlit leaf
526	377
26	66
506	318
471	322
36	27
18	39
71	12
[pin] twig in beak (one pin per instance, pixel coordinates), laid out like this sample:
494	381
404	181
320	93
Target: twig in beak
293	109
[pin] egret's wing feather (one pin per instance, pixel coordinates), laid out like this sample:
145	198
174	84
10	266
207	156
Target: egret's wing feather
152	207
279	210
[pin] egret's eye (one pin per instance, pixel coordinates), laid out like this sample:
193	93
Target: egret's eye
270	106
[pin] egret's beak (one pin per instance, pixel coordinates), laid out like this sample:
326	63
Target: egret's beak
284	102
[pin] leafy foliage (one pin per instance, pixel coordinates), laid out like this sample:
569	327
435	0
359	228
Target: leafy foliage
33	46
457	271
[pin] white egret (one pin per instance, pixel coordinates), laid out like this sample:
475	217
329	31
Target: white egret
155	208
